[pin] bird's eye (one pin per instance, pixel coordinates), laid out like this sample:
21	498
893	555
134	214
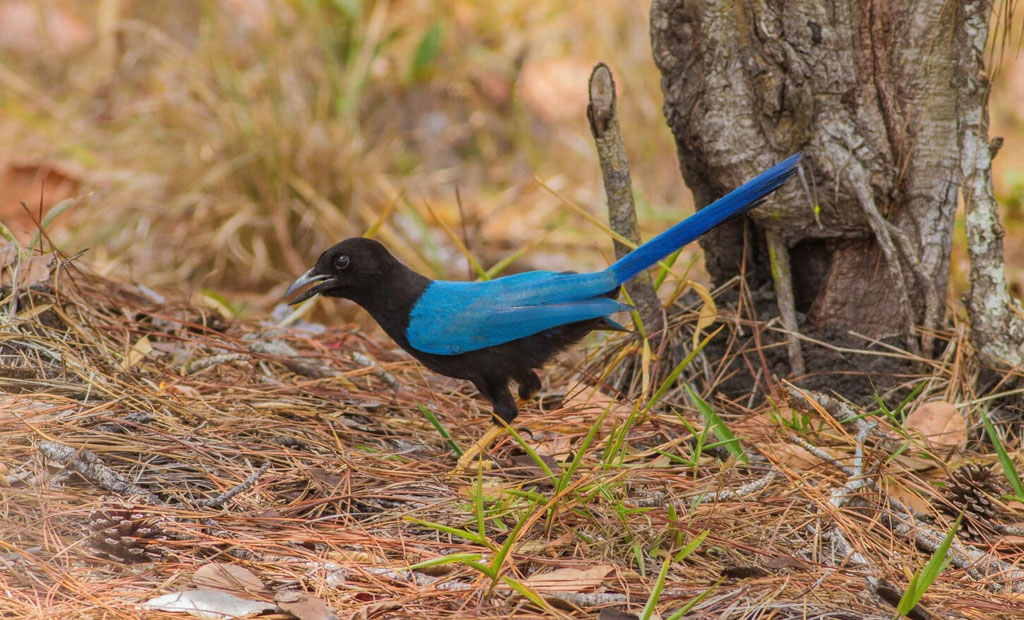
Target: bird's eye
341	262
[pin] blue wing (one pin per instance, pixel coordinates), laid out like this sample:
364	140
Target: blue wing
457	317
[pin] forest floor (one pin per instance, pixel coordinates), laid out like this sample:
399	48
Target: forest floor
163	439
155	455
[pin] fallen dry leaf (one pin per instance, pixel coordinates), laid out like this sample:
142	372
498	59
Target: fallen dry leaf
941	425
214	604
909	497
374	609
545	546
228	577
708	311
140	349
796	457
555	445
28	271
39	184
304	606
8	254
568	579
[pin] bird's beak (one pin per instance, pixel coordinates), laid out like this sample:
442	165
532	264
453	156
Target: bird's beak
302	281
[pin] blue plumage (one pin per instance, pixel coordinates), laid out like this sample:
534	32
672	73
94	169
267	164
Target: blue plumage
456	317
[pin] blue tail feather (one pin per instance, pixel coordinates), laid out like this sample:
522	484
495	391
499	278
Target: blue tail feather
736	202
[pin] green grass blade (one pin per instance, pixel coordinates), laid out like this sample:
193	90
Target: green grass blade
454	531
720	428
659	583
499	557
51	215
1004	459
693	603
920	582
567	475
680	367
665	268
460	558
426	52
532	454
441	430
527	593
691	546
478	500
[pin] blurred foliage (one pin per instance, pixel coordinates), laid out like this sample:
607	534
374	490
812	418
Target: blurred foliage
227	143
224	144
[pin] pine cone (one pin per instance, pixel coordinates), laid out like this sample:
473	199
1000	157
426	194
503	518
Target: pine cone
972	488
123	533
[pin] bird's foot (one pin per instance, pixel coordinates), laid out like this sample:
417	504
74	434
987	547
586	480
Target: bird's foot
468	461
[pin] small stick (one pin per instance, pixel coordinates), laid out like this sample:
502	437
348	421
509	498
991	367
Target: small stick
290	358
385	376
741	491
840	411
213	360
89	465
782	278
220	500
618	186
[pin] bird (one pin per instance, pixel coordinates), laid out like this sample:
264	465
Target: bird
495	332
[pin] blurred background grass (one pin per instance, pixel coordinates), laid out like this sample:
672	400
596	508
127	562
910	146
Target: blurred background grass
220	146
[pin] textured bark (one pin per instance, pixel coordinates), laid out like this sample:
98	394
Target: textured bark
997	321
618	186
867	89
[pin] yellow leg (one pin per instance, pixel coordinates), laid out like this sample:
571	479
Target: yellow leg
480	446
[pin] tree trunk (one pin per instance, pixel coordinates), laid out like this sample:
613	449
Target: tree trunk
868	90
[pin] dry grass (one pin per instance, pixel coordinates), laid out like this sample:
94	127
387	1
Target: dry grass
240	147
223	155
351	461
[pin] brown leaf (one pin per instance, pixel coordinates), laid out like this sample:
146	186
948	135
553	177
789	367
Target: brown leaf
304	606
32	182
798	458
229	577
784	563
568	579
523	465
909	497
744	572
8	254
373	609
545	546
31	270
328	481
139	350
941	425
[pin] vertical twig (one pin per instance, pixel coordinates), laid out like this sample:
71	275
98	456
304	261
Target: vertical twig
782	279
618	186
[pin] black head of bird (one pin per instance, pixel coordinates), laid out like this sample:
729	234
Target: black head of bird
352	269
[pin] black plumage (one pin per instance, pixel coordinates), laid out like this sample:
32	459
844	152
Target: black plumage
389	290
